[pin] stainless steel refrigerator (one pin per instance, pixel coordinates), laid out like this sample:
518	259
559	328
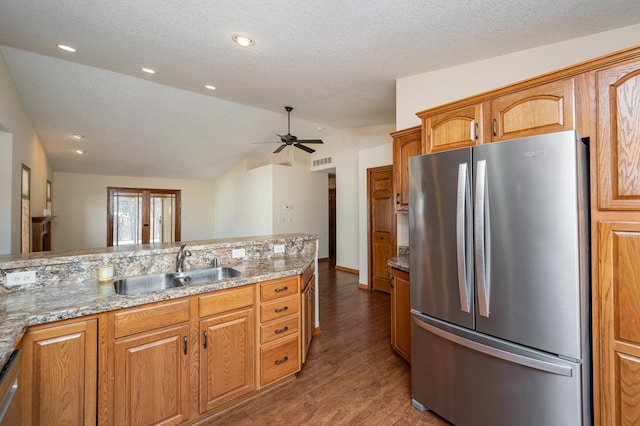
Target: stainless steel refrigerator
499	269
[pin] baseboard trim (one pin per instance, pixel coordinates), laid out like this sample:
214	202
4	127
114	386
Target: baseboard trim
323	259
363	286
316	331
345	269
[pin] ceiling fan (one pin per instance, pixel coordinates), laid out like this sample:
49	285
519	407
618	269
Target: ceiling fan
290	139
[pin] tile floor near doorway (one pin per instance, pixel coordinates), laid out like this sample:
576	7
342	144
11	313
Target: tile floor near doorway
352	377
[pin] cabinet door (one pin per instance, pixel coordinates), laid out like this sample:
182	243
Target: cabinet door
59	373
227	354
307	318
454	129
152	378
617	335
541	109
400	316
407	143
618	142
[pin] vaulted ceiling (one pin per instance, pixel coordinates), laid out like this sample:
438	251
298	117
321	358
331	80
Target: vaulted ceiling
336	62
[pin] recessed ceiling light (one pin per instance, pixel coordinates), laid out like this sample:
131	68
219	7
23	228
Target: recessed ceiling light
243	40
77	136
210	87
148	70
79	151
67	48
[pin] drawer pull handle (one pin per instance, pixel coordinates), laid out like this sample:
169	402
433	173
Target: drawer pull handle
281	289
184	339
204	334
286	308
282	330
281	361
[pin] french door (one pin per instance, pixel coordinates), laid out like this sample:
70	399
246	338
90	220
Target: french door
142	216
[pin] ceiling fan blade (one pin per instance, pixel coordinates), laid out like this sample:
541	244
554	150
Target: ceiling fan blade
309	141
266	142
280	148
305	148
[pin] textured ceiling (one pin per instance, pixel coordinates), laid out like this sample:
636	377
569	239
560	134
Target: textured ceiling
335	61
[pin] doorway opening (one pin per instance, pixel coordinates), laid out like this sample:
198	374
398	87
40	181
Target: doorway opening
142	216
332	221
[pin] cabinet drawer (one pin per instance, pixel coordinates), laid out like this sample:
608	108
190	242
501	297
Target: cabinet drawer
136	320
280	328
276	289
225	300
279	360
280	308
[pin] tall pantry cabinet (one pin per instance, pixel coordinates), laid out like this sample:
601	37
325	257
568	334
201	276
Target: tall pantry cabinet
616	240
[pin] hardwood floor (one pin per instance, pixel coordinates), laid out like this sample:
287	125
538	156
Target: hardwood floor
351	376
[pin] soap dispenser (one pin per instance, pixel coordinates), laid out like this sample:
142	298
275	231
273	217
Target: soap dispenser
105	271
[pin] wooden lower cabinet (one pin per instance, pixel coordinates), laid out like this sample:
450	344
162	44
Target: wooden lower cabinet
616	333
400	314
59	373
280	346
307	310
152	378
227	358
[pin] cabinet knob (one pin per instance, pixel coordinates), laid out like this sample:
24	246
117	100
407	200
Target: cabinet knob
281	289
184	339
204	344
283	360
397	198
282	309
495	127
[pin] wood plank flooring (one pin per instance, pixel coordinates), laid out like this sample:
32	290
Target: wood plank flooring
351	377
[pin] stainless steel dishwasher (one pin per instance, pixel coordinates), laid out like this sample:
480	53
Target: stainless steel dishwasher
10	392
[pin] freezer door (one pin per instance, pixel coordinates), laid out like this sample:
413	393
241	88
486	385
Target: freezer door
527	220
474	380
440	236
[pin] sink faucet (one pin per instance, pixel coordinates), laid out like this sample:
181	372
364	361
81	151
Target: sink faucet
182	254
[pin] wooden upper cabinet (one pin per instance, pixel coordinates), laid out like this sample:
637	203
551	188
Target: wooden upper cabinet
453	129
618	103
540	109
406	143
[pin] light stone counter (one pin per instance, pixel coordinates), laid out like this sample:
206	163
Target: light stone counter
58	295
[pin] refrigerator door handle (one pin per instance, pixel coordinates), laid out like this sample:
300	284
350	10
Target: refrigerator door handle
547	367
461	240
480	219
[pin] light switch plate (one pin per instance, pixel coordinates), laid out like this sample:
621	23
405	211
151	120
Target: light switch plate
238	253
278	248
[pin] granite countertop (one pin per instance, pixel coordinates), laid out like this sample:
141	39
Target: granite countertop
24	308
401	261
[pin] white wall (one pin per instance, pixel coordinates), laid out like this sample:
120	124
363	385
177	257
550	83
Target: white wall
367	158
343	146
307	194
6	166
424	91
80	204
244	202
26	149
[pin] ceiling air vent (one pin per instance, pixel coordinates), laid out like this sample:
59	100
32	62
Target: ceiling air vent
322	161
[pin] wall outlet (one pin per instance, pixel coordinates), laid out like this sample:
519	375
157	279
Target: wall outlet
278	248
238	253
20	278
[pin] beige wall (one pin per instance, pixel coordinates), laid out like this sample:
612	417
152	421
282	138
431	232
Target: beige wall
244	202
423	91
381	155
80	204
343	146
24	148
252	202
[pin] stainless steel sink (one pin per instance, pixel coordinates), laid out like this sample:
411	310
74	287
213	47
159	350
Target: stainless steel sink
157	282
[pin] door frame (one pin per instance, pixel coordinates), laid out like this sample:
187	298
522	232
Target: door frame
370	172
146	193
